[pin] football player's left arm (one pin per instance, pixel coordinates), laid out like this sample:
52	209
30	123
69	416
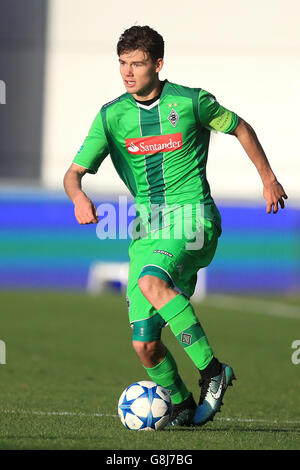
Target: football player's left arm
273	192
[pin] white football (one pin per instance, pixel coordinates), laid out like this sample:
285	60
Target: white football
145	405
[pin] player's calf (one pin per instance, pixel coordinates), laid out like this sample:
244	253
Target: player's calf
150	353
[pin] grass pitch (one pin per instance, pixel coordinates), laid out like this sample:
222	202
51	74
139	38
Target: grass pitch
69	357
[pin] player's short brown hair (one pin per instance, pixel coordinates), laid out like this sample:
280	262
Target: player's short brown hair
143	38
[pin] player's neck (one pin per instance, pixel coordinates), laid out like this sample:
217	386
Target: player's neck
151	93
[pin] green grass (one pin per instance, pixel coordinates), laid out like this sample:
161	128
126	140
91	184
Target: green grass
72	354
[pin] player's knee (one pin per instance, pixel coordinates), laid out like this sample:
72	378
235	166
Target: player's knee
144	348
145	284
151	286
147	350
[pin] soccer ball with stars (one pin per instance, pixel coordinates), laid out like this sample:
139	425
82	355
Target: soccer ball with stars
145	405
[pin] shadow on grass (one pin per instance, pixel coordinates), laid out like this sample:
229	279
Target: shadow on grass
233	428
193	429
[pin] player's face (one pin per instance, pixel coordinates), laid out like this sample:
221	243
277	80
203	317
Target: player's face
139	73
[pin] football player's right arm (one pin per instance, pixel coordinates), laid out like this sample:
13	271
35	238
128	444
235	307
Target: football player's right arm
84	209
88	159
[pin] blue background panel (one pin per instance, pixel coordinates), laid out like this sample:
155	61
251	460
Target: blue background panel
43	247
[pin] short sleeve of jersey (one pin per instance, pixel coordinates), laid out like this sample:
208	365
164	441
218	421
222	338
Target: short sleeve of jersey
94	148
214	116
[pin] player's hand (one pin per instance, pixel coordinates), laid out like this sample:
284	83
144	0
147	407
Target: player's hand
85	210
274	194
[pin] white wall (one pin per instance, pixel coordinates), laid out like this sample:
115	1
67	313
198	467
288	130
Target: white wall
246	53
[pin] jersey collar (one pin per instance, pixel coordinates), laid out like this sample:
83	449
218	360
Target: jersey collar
152	105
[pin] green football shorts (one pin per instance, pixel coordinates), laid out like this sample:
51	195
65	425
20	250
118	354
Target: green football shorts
172	256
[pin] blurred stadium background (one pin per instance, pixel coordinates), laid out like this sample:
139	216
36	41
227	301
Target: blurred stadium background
58	65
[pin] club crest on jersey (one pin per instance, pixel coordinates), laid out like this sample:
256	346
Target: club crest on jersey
173	117
154	144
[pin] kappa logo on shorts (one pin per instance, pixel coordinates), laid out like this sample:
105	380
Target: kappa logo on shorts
186	339
163	252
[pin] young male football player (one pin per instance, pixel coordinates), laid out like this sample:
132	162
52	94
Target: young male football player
157	135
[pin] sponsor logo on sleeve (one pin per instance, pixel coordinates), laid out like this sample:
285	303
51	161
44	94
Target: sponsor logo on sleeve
111	102
81	148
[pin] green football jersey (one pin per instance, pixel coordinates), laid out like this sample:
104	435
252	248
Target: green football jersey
160	151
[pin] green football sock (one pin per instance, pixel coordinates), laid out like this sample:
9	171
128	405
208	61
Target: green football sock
184	324
166	374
